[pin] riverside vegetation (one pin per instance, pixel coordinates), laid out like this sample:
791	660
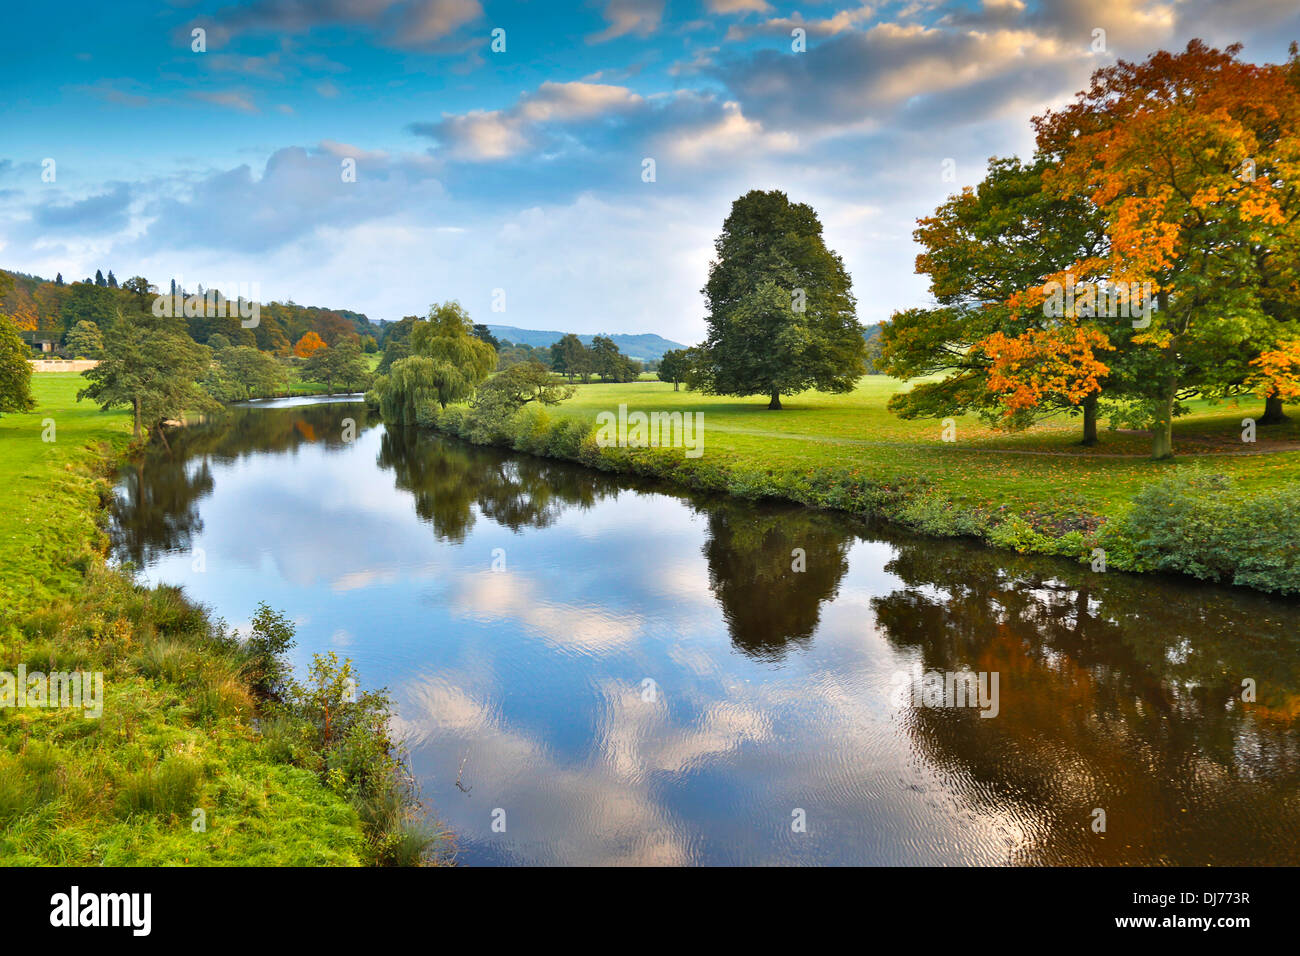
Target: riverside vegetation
1221	516
209	751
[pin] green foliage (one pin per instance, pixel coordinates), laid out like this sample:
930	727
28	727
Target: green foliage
84	340
936	515
15	372
264	665
1197	524
570	357
348	743
781	313
521	384
982	246
446	364
239	373
152	365
89	303
180	693
342	364
673	367
611	364
394	351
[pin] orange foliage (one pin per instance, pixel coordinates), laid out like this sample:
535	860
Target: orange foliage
309	343
1279	372
1058	364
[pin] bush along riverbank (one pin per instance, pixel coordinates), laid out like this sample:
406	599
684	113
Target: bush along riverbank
1186	521
138	730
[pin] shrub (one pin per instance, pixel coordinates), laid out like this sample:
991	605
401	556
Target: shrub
348	732
936	515
1195	524
264	666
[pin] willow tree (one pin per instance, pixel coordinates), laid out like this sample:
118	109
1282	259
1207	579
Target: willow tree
781	313
446	364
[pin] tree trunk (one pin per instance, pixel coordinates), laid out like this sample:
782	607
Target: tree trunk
1273	414
775	403
1162	429
135	406
1089	420
674	385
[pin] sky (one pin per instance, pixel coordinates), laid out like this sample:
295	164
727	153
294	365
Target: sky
515	179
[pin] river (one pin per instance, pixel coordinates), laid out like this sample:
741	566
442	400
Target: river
590	669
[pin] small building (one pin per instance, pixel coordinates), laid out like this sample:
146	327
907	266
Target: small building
40	341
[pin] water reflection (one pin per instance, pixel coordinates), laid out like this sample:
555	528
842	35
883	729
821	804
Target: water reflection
451	481
770	684
771	572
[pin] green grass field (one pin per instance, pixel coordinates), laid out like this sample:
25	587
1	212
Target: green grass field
175	733
983	467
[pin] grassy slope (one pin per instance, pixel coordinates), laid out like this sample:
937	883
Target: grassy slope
983	467
67	783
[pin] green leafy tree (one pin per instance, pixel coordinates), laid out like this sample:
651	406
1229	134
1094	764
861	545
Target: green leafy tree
461	360
521	384
240	372
342	364
140	287
571	358
84	340
86	302
15	372
673	367
153	366
394	351
780	307
446	364
482	332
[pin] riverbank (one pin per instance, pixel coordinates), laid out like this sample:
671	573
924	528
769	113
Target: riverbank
1223	511
175	769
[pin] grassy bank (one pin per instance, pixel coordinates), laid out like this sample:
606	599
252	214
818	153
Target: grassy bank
1221	511
175	770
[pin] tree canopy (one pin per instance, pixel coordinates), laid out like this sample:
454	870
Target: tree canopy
781	313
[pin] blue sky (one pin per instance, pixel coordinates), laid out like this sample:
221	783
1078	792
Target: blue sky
522	170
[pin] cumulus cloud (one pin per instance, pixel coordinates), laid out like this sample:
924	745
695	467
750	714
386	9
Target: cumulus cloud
101	213
588	118
298	191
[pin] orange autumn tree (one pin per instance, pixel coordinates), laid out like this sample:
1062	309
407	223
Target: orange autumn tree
309	343
1277	372
1058	364
1193	158
980	250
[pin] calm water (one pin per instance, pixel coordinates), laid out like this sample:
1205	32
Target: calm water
772	689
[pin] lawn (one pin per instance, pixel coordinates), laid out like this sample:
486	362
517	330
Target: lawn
983	467
49	490
175	735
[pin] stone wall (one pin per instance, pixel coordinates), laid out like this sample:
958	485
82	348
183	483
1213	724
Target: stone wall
62	365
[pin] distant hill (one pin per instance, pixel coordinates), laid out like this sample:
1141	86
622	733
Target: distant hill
641	347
